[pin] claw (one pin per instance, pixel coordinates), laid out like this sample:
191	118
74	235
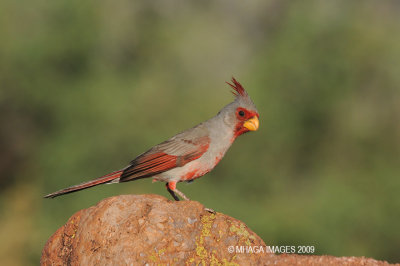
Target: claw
210	210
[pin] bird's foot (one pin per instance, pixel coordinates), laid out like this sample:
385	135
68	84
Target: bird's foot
181	194
210	210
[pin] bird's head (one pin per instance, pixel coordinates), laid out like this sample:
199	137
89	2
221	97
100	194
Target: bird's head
242	114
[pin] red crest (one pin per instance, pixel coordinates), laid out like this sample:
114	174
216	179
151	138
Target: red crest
239	90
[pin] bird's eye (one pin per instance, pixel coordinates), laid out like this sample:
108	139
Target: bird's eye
241	113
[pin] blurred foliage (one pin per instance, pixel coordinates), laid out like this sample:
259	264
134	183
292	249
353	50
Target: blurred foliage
87	86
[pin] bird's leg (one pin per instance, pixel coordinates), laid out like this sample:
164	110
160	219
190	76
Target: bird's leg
171	187
171	192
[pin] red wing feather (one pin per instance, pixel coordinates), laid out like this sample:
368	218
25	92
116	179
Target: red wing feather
155	162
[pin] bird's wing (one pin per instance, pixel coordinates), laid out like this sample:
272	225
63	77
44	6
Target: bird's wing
175	152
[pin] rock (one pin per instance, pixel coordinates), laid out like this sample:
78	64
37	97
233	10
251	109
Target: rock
149	229
129	229
294	259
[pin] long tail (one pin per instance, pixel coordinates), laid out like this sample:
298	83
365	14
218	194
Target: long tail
98	181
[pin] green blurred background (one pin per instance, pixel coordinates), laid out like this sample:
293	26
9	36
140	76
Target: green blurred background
88	85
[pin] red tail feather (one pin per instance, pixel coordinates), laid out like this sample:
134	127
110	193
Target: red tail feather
101	180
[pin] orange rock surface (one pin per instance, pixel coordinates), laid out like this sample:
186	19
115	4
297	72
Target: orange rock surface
149	229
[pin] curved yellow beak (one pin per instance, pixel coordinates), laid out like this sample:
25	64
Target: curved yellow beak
252	124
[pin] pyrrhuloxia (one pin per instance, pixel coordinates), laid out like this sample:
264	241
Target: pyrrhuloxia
190	154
